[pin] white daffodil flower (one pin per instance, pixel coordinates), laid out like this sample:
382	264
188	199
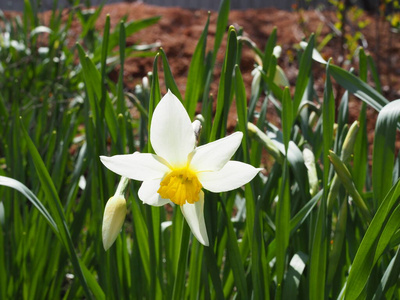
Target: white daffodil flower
179	170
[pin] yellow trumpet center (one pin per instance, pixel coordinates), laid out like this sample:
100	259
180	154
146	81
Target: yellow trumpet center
179	186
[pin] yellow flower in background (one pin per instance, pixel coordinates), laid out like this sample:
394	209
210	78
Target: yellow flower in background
179	171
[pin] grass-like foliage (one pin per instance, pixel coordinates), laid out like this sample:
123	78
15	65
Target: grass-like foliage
321	223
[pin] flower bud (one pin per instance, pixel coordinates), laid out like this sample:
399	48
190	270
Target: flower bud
114	216
348	144
309	161
266	141
196	128
277	51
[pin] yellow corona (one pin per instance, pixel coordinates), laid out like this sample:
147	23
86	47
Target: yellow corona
179	186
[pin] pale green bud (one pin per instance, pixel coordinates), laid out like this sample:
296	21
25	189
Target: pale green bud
309	161
348	144
114	216
265	141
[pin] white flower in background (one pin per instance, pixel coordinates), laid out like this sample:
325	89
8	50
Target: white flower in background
179	170
277	51
280	78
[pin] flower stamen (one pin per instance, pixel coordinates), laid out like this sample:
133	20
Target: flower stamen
180	185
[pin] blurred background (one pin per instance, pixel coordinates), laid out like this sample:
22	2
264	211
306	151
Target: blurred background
369	5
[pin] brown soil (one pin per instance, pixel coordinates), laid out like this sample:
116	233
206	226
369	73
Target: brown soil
179	30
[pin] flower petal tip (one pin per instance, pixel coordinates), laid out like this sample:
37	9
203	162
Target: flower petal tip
194	215
114	216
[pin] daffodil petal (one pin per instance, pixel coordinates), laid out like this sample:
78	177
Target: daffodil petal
137	166
232	176
171	131
194	215
148	193
213	156
114	216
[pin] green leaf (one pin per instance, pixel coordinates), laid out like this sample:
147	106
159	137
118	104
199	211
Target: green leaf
155	97
304	74
235	261
292	279
56	210
384	148
222	23
357	87
319	252
196	75
241	107
282	222
169	79
360	160
389	278
94	91
15	184
363	65
374	73
367	253
287	117
225	86
269	49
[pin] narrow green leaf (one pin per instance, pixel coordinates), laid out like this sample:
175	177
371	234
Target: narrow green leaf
363	65
292	279
304	74
241	107
389	278
367	253
337	245
142	239
287	117
15	184
360	160
319	251
384	146
155	96
234	258
225	87
56	209
196	75
222	23
93	81
269	49
193	290
357	87
374	73
282	222
121	107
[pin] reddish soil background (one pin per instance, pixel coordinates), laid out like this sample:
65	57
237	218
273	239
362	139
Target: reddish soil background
179	30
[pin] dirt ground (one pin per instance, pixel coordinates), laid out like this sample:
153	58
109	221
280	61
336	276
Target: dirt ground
179	30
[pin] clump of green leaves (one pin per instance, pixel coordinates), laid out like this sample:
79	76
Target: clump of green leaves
319	224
